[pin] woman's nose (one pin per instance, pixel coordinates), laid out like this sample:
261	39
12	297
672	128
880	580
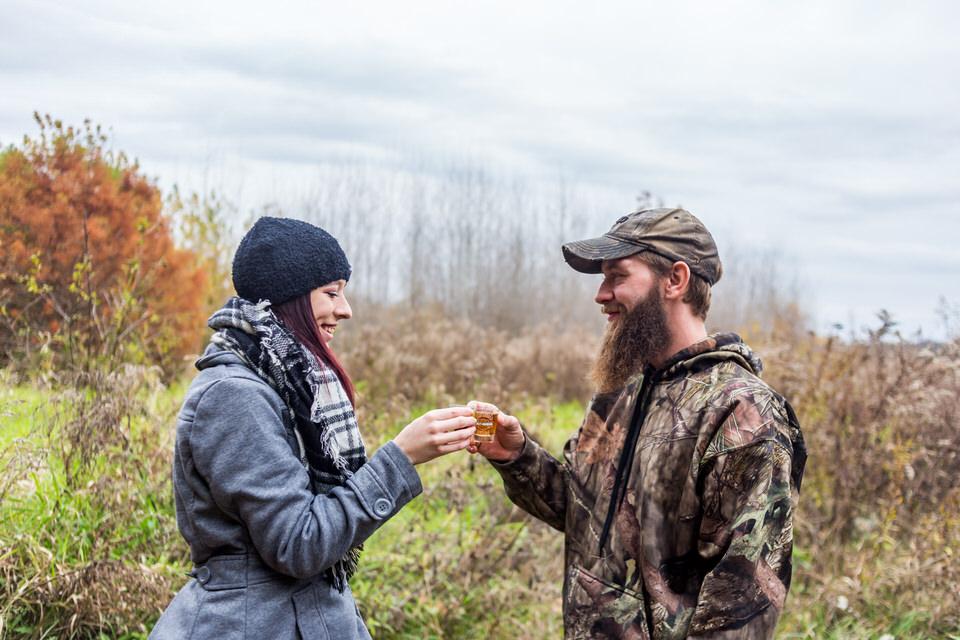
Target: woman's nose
343	310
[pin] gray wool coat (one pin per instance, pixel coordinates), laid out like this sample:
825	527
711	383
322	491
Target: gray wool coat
259	539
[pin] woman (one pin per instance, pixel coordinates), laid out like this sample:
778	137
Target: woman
274	491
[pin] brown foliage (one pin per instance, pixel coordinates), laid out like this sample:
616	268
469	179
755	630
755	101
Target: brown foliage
99	596
88	262
878	522
879	515
408	357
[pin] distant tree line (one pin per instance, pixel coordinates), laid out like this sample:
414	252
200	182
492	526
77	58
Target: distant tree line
97	265
471	242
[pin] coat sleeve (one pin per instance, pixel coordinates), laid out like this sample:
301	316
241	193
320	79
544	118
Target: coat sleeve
240	448
537	483
747	532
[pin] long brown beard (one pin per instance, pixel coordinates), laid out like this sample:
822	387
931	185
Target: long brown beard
641	334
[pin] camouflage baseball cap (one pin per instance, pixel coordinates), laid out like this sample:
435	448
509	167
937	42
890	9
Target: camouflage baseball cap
673	233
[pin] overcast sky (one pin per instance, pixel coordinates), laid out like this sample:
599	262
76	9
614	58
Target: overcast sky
827	131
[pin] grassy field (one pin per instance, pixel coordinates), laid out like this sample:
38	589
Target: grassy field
90	547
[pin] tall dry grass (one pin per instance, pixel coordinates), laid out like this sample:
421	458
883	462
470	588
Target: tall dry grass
416	356
91	546
878	528
85	505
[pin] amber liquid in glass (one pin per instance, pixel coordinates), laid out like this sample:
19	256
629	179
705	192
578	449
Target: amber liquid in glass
486	426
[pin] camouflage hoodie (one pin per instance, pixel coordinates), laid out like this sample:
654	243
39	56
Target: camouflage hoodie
698	541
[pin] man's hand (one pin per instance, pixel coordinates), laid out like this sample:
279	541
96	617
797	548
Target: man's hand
508	440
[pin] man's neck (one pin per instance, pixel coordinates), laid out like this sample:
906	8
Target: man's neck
684	332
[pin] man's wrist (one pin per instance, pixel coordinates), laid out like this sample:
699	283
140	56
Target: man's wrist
514	454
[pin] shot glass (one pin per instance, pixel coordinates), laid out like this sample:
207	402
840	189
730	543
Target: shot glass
486	426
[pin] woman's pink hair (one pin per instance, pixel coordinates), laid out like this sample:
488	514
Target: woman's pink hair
297	315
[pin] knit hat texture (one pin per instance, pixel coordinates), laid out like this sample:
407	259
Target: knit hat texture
280	259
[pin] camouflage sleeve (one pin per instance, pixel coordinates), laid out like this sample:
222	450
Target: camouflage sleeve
536	482
746	536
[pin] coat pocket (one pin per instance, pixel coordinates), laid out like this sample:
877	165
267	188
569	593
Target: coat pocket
598	608
324	613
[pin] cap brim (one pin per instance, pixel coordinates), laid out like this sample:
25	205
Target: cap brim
586	256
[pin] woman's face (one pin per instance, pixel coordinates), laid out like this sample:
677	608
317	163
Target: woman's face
329	306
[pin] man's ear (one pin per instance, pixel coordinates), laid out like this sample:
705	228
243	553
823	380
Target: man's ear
677	281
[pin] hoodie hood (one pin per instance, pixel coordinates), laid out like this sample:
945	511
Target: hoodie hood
710	351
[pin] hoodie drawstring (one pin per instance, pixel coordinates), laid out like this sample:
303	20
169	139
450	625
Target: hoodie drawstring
626	455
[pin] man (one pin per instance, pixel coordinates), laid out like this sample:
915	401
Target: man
676	494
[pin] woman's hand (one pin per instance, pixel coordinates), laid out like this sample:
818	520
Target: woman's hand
507	441
437	433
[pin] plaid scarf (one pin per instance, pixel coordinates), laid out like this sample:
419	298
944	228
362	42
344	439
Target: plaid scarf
331	448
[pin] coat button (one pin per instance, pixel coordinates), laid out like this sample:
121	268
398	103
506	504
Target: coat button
203	574
381	507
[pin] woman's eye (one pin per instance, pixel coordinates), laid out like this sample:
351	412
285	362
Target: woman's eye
332	294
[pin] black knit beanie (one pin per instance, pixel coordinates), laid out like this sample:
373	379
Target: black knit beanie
280	259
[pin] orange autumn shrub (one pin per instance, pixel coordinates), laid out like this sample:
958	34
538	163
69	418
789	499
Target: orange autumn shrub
89	270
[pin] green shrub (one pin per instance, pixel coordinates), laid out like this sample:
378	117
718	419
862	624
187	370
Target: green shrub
86	508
